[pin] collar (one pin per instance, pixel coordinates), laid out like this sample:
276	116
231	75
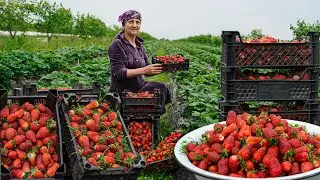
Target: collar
120	35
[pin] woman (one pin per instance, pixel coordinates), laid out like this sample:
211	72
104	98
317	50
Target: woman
129	61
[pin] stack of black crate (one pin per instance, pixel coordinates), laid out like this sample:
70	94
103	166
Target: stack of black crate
239	91
143	109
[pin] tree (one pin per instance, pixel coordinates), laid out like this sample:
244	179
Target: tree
300	31
15	16
52	18
89	25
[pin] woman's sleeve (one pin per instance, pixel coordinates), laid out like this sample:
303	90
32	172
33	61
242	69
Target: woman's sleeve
145	56
117	58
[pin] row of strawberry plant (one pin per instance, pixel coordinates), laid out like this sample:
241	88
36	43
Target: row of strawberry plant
17	65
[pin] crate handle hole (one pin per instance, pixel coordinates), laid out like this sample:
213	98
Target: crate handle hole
143	163
87	165
66	95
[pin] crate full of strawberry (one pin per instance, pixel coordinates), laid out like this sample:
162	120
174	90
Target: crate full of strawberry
97	141
172	62
268	52
252	146
30	137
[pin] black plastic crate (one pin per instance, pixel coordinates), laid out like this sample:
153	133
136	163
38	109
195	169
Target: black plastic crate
239	54
171	67
141	101
80	167
252	90
50	101
166	165
306	111
154	120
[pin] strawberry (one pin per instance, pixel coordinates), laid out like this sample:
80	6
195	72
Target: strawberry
3	134
286	166
216	138
19	139
51	171
17	163
27	116
203	165
43	121
41	108
190	146
275	120
35	114
42	133
11	118
36	173
11	133
252	174
295	143
301	149
40	164
92	105
100	147
76	118
86	111
223	166
245	152
84	141
253	140
213	168
303	136
25	145
216	147
25	166
218	127
14	108
301	157
46	159
259	154
13	155
34	126
234	163
306	166
32	158
21	154
249	165
275	168
231	117
284	145
19	114
213	156
269	133
91	125
112	116
228	143
17	173
31	136
4	112
262	174
24	124
229	129
245	131
269	125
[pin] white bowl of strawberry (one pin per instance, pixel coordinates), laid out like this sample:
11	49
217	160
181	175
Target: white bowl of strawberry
248	146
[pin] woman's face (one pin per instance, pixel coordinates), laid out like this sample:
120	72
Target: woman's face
132	26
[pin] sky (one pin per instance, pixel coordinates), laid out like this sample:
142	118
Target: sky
174	19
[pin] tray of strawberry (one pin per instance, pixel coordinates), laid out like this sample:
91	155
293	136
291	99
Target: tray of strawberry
172	62
252	146
30	137
141	98
97	140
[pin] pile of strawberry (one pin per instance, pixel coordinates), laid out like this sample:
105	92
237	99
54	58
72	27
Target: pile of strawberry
256	147
164	149
100	136
141	135
277	76
269	39
170	59
143	94
29	139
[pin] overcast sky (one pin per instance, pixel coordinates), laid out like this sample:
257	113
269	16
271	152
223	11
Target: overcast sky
173	19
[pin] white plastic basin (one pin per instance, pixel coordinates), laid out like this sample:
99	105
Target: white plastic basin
204	175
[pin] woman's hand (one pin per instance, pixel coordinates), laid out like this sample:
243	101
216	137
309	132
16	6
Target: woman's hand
153	69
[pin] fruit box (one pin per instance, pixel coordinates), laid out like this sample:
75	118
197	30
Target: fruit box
306	111
166	165
80	167
236	53
172	63
49	101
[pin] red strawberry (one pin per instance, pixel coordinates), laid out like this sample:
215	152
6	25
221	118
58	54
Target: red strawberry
229	143
46	159
259	154
14	108
249	165
295	143
91	125
216	147
42	133
100	147
96	118
269	125
284	145
25	166
35	114
84	141
190	146
245	152
269	133
19	114
216	138
17	173
301	157
41	108
306	166
34	126
275	120
19	139
11	118
37	173
40	164
31	136
17	163
223	166
231	117
262	174
234	163
286	166
235	150
275	168
21	154
27	116
25	146
24	124
213	156
245	131
203	165
11	133
12	155
301	149
303	136
218	127
4	112
253	140
229	129
92	105
112	116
